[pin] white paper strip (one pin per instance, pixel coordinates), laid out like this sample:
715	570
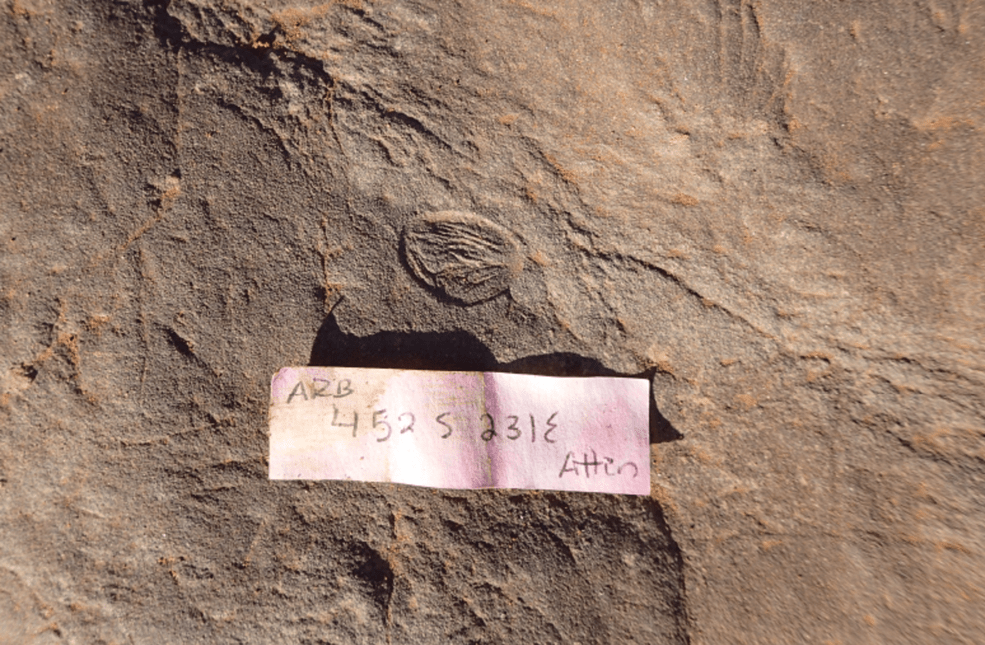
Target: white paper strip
460	429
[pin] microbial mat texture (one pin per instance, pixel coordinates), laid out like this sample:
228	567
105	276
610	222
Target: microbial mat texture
772	211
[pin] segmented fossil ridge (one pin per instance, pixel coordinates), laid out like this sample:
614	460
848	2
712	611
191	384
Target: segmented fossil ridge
463	255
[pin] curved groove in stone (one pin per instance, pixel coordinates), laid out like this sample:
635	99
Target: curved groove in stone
464	256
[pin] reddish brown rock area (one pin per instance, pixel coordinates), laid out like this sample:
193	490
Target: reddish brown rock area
773	210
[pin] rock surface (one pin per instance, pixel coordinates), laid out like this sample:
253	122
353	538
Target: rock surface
773	210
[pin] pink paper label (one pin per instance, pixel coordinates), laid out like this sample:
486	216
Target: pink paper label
460	429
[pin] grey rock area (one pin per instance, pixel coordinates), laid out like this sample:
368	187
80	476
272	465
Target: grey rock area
773	210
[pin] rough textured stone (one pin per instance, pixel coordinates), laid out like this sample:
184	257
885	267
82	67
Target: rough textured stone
773	210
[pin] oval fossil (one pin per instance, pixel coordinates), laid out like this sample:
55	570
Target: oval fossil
466	257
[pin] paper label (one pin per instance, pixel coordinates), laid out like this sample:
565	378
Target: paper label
460	429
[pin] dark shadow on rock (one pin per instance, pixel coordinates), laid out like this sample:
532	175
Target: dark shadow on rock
377	573
456	351
459	351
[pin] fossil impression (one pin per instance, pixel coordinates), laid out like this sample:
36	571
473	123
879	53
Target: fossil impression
466	257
